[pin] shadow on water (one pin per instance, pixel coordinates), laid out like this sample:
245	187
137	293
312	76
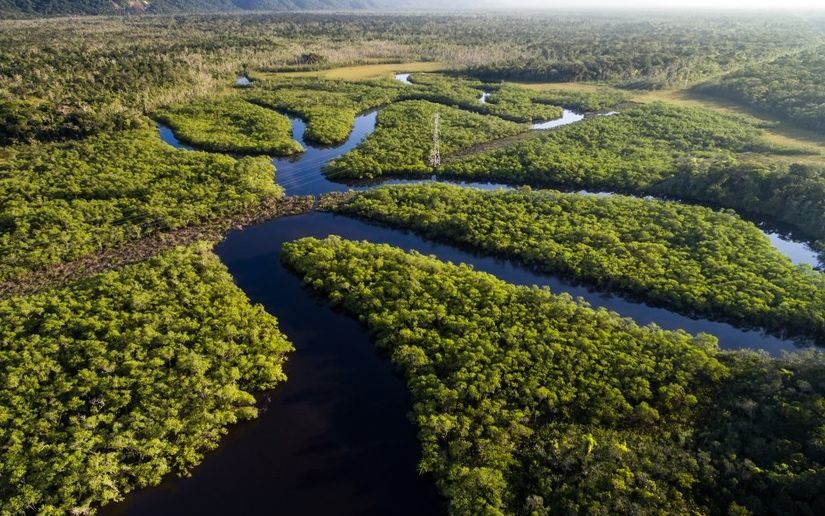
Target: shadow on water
333	439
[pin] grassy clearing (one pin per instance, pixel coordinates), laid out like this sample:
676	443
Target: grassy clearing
777	133
364	72
561	86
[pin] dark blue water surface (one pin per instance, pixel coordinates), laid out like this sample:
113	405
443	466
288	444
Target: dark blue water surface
335	438
302	174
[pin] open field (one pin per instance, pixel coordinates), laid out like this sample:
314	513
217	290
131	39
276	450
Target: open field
367	71
563	86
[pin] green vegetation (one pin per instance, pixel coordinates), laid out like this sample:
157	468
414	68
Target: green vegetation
62	201
792	87
688	153
402	141
650	53
507	101
328	107
125	66
532	403
517	104
791	193
526	402
24	121
763	426
111	383
689	258
630	150
231	125
489	364
588	101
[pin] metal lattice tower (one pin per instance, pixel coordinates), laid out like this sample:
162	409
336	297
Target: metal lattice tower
435	155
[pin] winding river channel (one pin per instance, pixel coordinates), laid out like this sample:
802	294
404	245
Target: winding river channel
335	438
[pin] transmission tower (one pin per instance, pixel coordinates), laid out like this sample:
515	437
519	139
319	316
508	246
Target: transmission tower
435	155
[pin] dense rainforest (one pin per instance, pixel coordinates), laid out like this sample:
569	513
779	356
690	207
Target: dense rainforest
113	382
328	107
402	141
231	125
790	87
525	402
532	403
688	257
656	60
687	153
504	101
586	101
130	64
635	148
60	201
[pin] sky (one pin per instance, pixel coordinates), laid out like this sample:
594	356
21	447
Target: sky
660	4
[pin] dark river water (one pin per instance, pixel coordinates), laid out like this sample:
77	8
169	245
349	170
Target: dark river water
335	438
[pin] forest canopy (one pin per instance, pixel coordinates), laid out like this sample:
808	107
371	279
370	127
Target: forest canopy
687	153
63	200
790	87
526	402
634	148
113	382
532	403
328	107
231	125
136	64
403	139
690	258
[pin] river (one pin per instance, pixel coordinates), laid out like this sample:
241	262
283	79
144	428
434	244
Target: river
335	438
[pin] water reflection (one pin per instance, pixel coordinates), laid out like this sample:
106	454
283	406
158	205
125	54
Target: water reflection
567	117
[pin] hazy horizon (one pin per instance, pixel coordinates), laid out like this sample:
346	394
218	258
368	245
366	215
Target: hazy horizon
657	5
